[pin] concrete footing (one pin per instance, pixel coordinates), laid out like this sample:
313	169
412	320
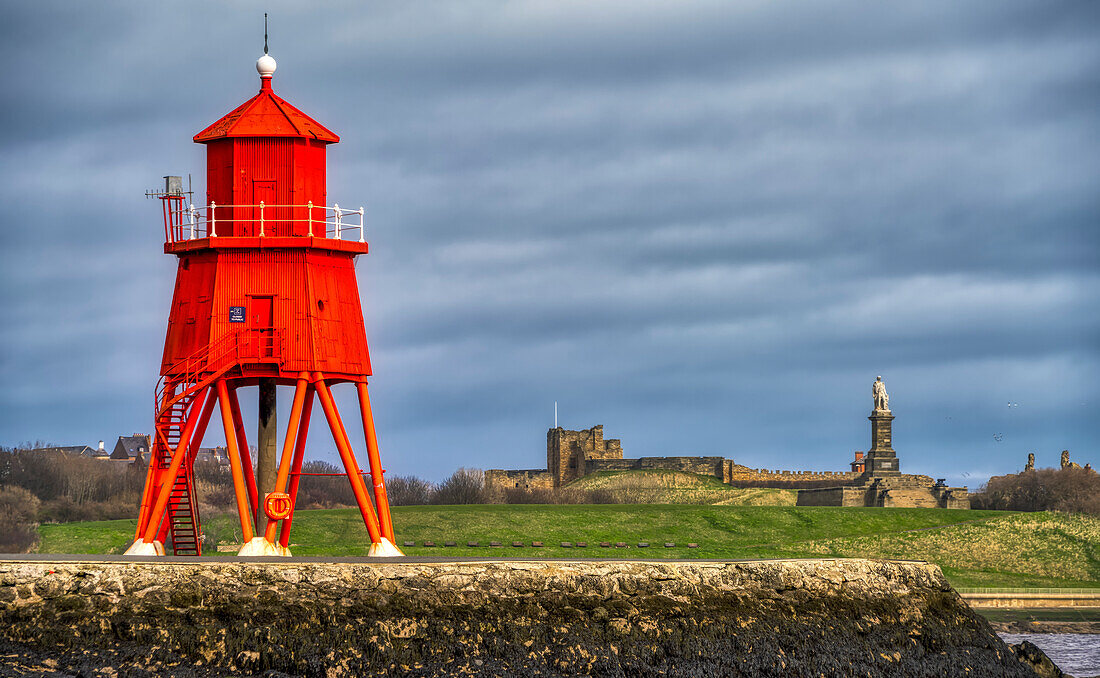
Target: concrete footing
145	548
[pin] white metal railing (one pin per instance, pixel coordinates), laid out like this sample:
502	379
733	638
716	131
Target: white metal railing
188	222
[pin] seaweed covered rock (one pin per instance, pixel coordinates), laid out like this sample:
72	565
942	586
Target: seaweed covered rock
522	618
1037	660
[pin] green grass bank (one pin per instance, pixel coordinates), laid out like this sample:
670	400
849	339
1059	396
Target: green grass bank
659	486
974	548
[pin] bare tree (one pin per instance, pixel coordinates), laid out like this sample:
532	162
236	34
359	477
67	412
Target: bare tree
1073	490
465	486
409	491
18	526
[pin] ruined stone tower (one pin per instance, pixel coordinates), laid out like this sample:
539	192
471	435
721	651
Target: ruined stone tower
567	452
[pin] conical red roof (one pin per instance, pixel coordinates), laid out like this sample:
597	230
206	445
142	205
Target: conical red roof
266	115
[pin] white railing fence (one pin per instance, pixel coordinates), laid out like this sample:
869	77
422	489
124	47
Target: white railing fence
188	222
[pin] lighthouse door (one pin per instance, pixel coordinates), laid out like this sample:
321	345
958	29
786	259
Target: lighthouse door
261	323
263	191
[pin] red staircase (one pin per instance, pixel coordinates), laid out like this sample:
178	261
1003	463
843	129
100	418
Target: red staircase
182	511
183	515
177	394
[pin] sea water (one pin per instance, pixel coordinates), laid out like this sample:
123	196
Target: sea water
1077	654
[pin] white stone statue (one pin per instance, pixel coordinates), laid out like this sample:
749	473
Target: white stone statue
878	392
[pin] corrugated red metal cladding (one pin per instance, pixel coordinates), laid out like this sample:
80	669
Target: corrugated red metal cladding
295	306
309	299
279	171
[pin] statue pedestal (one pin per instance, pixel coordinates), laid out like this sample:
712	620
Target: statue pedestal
881	460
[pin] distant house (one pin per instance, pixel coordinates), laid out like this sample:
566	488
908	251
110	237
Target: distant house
132	449
212	455
82	450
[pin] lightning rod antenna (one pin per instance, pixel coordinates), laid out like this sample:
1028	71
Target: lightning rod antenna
265	32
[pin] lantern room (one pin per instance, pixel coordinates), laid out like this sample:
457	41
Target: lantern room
267	152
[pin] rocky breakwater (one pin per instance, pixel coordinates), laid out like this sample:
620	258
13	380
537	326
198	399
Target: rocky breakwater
494	617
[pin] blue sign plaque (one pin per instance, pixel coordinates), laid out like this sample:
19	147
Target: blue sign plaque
236	314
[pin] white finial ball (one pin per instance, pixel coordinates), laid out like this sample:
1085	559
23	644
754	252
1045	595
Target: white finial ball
265	66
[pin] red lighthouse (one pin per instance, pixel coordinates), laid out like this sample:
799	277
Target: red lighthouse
265	296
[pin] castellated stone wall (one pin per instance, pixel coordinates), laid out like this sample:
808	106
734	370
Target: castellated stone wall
594	465
704	466
833	496
528	479
741	476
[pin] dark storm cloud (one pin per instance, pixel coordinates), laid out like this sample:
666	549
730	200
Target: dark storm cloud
668	217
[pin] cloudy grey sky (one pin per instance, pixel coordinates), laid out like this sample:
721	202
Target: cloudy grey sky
705	225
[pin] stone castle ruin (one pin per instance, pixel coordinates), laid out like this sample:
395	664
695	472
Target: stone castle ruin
571	455
875	479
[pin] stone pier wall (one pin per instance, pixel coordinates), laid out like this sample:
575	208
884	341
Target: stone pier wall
517	618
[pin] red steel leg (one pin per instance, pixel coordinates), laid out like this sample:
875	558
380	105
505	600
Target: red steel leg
288	446
235	460
204	421
296	465
151	478
376	473
246	456
147	492
340	436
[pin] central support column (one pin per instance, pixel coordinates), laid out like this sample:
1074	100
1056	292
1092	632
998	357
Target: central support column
266	443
